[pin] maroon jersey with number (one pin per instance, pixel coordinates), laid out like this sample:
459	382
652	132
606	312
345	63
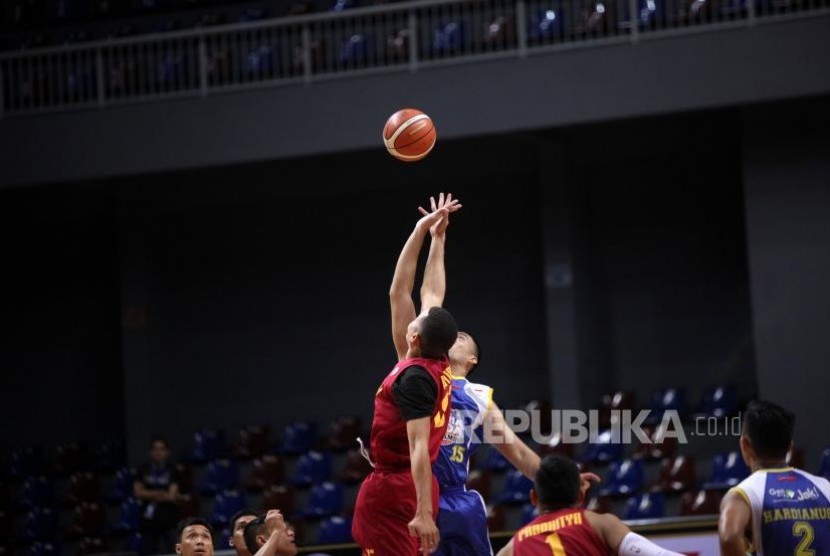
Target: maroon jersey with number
390	443
560	533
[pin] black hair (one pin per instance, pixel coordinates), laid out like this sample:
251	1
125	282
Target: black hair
769	428
476	352
159	438
438	333
254	528
237	515
185	523
557	482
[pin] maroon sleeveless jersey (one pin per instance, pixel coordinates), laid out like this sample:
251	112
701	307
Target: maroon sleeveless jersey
389	441
559	534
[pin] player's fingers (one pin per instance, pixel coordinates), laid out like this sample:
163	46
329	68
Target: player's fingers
432	203
423	211
441	199
412	531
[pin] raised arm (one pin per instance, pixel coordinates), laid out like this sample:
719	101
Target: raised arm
403	282
279	542
735	517
434	285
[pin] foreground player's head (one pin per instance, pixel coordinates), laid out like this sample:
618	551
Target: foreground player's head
432	334
556	485
237	525
194	537
767	434
464	354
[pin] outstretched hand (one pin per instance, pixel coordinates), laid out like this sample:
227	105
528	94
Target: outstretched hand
439	218
586	481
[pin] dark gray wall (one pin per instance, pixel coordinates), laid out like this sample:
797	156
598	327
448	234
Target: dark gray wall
59	323
656	76
787	172
657	255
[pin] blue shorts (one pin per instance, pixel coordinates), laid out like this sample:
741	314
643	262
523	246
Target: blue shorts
462	522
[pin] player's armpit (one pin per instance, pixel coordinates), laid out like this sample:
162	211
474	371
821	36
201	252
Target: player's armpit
735	518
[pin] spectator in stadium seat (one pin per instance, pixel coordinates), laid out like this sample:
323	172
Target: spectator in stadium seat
269	535
237	526
194	537
157	487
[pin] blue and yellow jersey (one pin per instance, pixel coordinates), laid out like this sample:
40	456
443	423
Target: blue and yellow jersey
790	512
469	404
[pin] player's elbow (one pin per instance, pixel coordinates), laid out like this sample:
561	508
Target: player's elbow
731	541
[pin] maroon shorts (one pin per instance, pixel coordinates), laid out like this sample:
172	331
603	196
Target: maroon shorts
385	505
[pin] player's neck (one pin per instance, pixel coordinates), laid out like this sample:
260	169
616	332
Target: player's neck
769	464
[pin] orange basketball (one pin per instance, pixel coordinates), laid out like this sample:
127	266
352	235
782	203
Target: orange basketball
409	135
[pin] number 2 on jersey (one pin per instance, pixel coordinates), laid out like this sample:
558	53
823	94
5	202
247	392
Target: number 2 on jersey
555	544
805	531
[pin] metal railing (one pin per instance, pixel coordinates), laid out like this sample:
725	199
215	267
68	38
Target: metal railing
396	37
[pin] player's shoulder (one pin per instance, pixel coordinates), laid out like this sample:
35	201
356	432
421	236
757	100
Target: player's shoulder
481	392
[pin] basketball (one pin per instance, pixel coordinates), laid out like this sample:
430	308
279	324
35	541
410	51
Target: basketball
409	135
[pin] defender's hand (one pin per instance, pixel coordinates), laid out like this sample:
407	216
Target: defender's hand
423	527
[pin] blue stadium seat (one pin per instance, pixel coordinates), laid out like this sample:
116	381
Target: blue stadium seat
225	505
529	513
40	524
25	462
325	500
312	468
299	437
129	519
546	25
45	549
719	401
341	5
37	492
356	49
494	461
603	449
728	470
666	399
122	485
222	538
133	543
335	530
253	14
171	69
824	470
623	478
220	475
648	13
110	455
516	489
260	61
208	444
645	506
448	38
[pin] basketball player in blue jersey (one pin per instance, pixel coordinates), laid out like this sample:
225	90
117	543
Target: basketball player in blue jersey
462	515
778	510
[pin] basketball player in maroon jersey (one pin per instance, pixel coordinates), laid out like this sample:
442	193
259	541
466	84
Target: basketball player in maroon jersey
397	503
565	529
